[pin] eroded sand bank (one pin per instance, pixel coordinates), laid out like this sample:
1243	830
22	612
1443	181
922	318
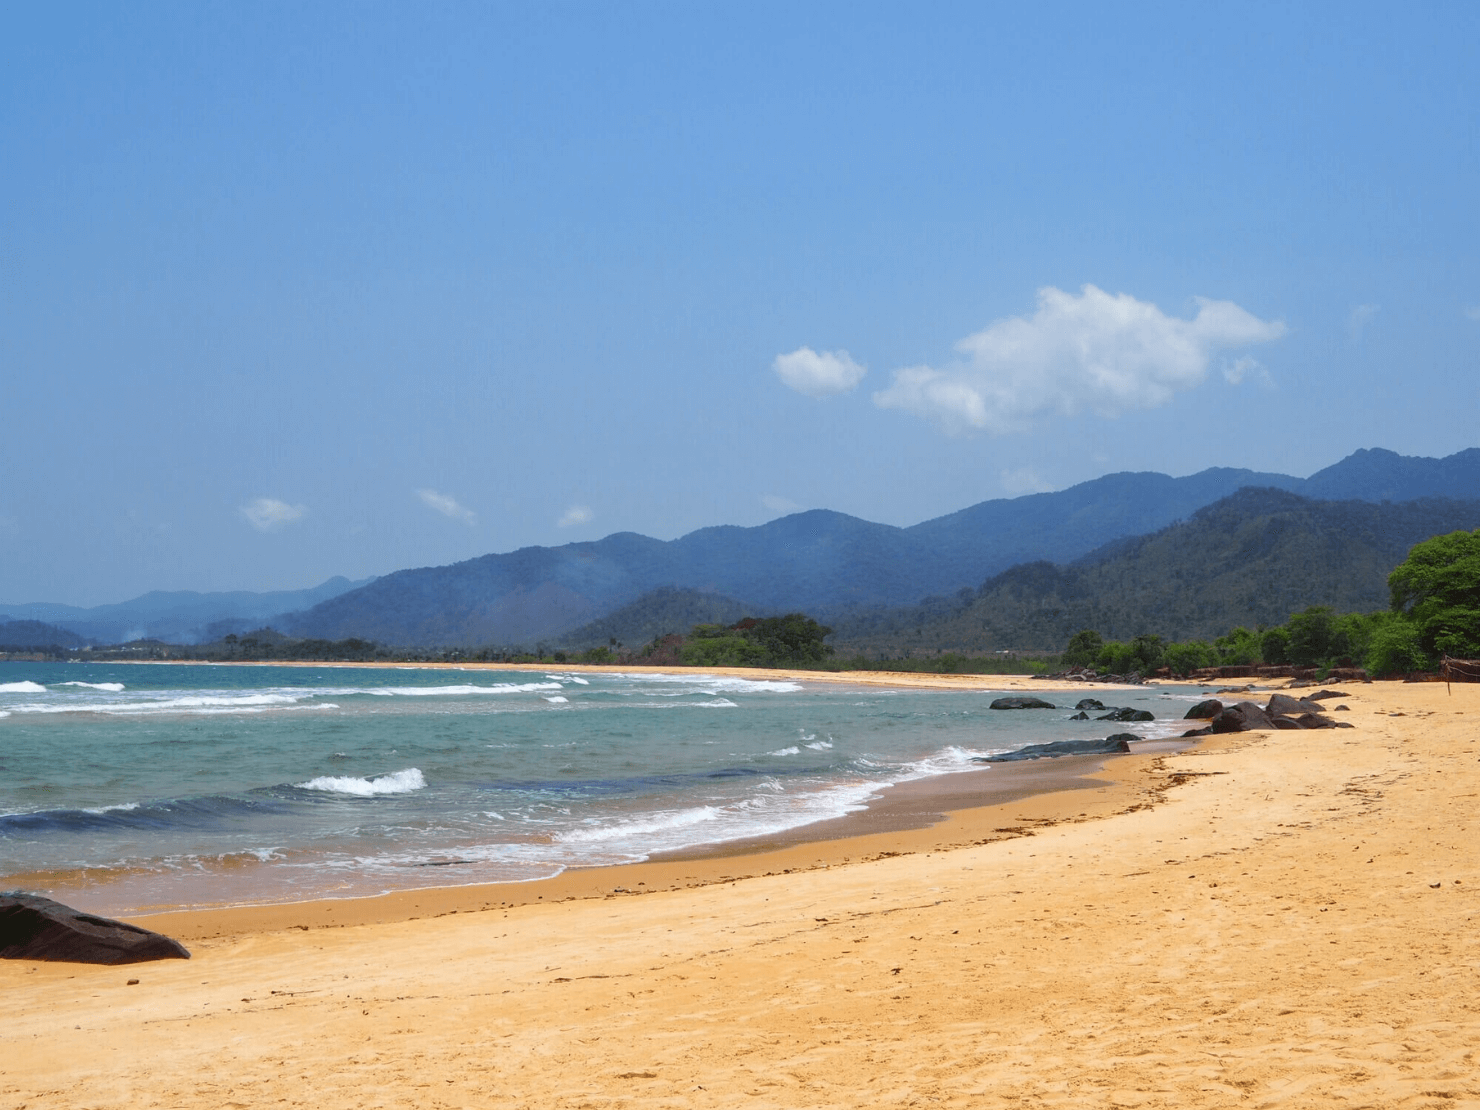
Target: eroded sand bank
1292	923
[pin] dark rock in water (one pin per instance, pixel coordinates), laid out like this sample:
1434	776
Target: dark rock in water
1080	717
1022	703
35	928
1286	706
1127	714
1111	744
1090	703
1204	710
1244	716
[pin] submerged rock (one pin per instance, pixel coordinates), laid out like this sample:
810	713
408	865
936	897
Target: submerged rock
36	928
1126	713
1080	716
1090	703
1120	742
1022	703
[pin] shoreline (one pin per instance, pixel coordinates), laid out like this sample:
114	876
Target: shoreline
917	815
1280	918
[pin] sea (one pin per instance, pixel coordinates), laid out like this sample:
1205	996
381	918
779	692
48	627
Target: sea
156	786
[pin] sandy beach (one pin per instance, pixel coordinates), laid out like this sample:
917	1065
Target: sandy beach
1268	919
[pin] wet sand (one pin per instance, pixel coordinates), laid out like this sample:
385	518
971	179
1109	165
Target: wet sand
1269	919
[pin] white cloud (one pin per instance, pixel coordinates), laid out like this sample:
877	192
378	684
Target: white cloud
1473	312
268	514
1086	351
1023	480
781	506
1247	368
1358	319
446	504
576	514
818	373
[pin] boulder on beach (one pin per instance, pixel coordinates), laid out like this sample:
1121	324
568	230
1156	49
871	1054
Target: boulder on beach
1284	705
1120	742
1243	716
1204	710
36	928
1022	703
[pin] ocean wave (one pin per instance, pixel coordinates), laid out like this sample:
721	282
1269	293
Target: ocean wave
110	687
948	761
458	691
821	746
641	826
22	688
206	812
721	684
191	704
558	699
793	750
397	782
716	703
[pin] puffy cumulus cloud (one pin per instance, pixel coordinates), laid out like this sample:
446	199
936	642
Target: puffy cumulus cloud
1244	369
447	505
818	373
781	506
576	514
268	514
1085	351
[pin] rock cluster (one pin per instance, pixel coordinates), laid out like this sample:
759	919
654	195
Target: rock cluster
1282	712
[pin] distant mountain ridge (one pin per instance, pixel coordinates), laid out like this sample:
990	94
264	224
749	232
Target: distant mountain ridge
1251	559
179	616
827	563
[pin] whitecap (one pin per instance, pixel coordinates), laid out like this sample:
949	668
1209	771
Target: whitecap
110	687
397	782
793	750
22	688
456	691
821	746
658	823
558	700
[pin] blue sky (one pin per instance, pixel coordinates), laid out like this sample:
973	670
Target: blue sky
289	291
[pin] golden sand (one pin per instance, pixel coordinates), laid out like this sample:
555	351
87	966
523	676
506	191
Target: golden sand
1272	919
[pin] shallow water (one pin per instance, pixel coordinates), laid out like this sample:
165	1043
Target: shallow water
220	784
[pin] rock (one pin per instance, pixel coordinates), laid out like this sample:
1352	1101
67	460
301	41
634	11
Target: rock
1316	720
1323	695
1285	706
1206	731
1244	716
36	928
1022	703
1127	714
1204	710
1286	723
1090	703
1080	717
1343	709
1111	744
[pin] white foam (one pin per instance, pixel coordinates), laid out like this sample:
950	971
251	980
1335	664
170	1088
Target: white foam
558	700
721	683
110	687
793	750
717	703
458	691
22	688
821	746
947	761
397	782
123	808
643	826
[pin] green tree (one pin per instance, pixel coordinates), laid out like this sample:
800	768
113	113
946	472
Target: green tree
1238	648
1083	648
1184	658
1438	586
1312	636
1274	646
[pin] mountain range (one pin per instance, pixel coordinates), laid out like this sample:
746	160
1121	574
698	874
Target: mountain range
829	564
846	571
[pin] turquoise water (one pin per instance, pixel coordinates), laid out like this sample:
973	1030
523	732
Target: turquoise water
207	784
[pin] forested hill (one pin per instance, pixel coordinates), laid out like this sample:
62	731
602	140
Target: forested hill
826	563
1252	558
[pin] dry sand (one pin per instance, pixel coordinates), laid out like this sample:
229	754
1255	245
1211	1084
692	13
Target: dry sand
1273	919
